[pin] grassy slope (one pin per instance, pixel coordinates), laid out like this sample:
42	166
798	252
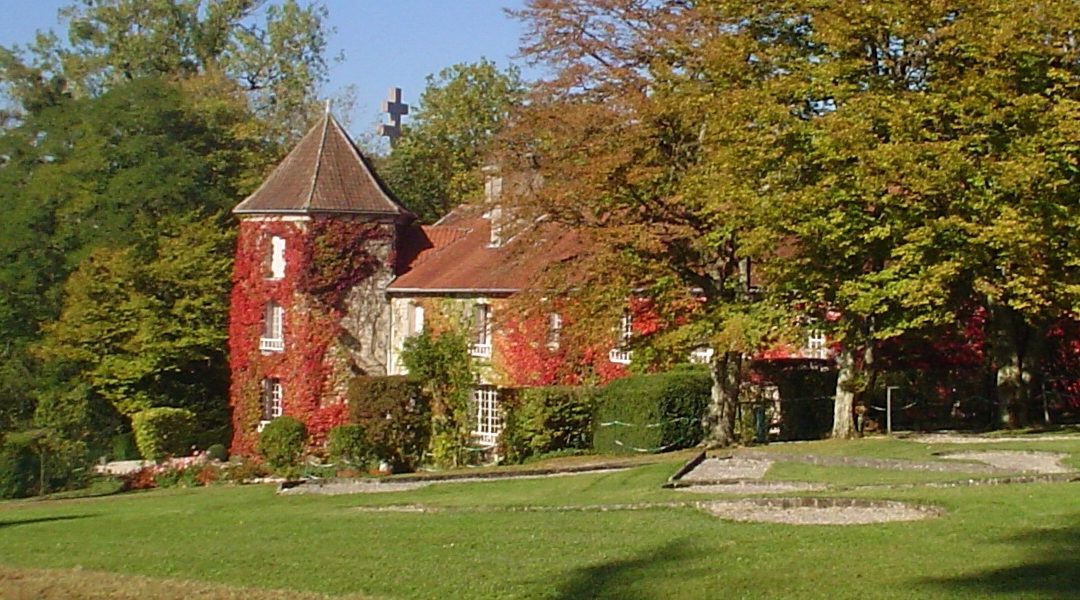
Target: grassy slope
1014	541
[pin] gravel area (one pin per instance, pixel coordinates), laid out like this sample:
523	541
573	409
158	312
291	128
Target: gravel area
1028	462
754	487
818	511
723	469
960	438
376	486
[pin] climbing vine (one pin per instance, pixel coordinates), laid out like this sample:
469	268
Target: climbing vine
324	259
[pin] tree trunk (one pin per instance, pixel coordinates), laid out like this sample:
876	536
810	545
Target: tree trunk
1017	350
844	400
726	371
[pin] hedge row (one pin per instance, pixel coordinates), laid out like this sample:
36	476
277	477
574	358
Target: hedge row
394	419
538	421
651	413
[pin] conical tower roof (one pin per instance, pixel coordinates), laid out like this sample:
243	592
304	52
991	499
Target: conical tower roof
324	173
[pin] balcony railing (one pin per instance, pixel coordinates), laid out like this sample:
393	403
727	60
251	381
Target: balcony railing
271	345
480	350
620	356
701	356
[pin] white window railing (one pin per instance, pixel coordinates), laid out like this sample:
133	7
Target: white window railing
480	350
271	345
620	356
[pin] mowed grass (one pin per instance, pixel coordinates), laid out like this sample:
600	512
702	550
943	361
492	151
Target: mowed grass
476	541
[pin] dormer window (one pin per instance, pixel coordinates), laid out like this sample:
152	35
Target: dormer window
277	258
272	339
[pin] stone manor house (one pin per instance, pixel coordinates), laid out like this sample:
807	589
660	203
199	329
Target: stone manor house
333	275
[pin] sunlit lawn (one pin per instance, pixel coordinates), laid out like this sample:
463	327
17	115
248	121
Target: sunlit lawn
1018	541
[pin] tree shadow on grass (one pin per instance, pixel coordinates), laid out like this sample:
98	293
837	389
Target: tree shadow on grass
619	578
16	522
1050	569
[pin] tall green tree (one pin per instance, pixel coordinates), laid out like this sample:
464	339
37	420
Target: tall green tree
145	325
275	52
928	163
436	163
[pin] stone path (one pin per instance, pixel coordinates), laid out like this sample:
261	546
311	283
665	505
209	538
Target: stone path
973	438
376	486
1016	461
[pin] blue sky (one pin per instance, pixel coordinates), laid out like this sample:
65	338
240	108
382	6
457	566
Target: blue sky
383	43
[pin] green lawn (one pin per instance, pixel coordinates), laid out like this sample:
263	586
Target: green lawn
1018	541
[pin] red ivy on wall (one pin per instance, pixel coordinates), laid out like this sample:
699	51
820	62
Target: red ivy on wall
324	259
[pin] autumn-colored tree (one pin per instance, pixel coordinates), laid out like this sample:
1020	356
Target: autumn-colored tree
618	139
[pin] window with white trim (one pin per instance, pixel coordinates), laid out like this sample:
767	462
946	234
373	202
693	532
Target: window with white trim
416	319
277	257
481	344
270	400
554	330
488	414
816	344
620	354
273	339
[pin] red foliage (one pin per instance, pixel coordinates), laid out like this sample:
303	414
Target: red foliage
311	293
527	359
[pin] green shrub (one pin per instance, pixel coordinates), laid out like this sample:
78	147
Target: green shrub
395	417
281	444
18	467
29	457
163	431
123	447
347	444
651	413
545	420
217	452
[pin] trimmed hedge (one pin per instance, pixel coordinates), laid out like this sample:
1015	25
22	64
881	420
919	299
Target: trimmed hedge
542	420
163	431
348	444
652	413
395	416
281	444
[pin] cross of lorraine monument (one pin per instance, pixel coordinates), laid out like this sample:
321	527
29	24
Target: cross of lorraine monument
396	109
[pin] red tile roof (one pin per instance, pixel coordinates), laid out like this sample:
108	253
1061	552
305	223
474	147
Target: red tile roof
454	255
325	172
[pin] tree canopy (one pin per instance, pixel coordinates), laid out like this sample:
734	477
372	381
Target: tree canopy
436	163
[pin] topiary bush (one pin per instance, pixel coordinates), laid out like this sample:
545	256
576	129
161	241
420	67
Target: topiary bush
163	431
651	413
394	415
217	452
546	419
348	445
281	444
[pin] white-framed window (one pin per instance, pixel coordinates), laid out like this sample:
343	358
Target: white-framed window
273	339
701	355
817	344
270	400
488	413
416	319
620	354
481	343
554	331
277	258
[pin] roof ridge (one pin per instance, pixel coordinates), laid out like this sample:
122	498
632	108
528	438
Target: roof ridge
318	162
